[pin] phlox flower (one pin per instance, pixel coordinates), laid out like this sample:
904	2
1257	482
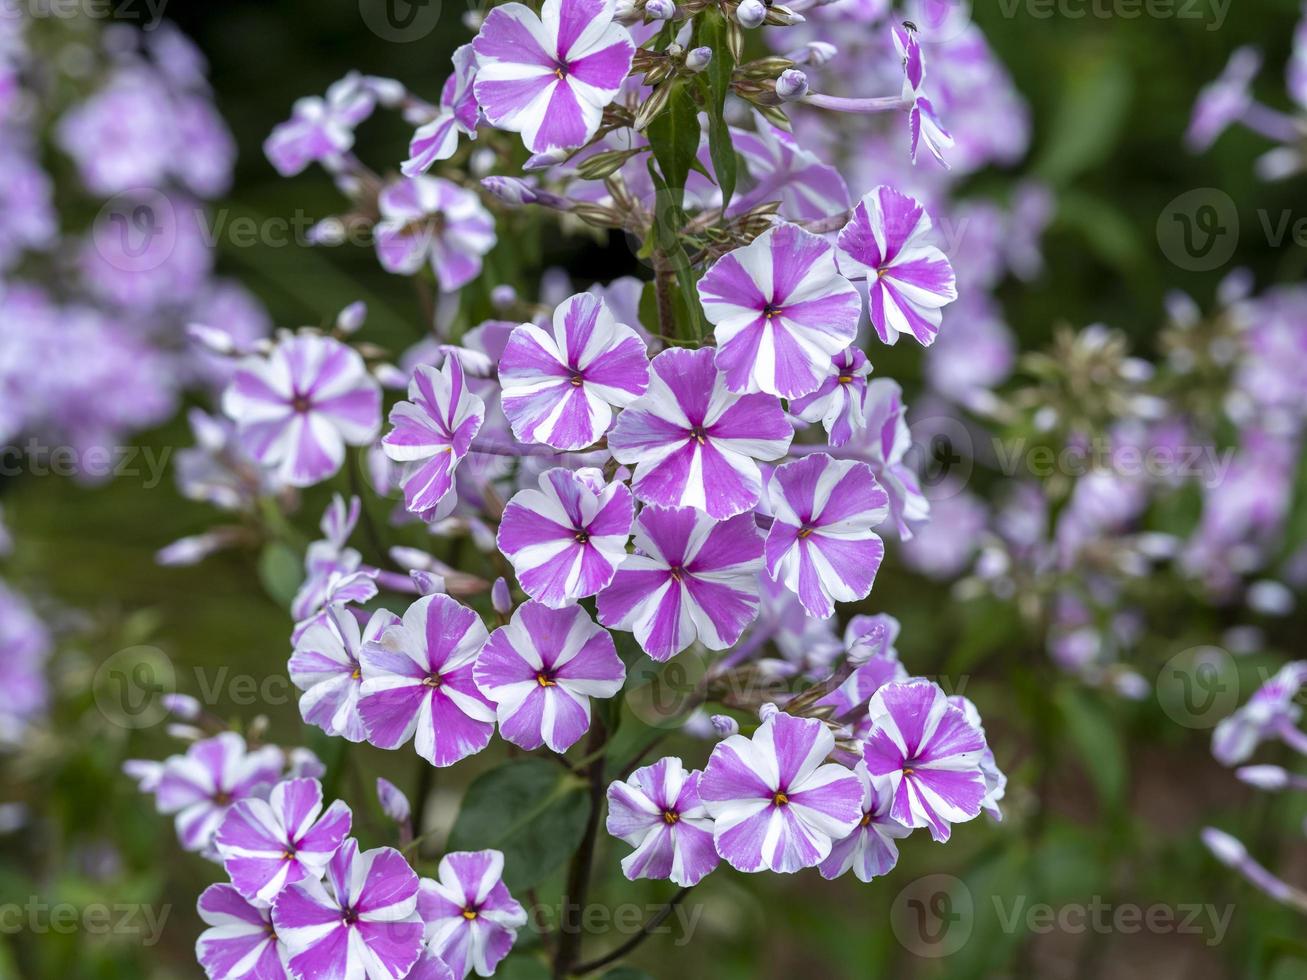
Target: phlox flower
566	539
325	666
909	280
458	113
432	432
821	543
471	919
560	386
430	219
995	778
883	444
240	943
1225	100
297	408
657	811
807	188
869	851
200	786
361	923
693	441
418	683
320	129
839	404
1270	712
690	578
781	311
542	669
266	846
332	572
549	77
930	754
923	124
776	803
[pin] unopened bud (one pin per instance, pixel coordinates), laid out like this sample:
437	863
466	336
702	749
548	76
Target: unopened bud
793	84
725	726
183	706
659	9
751	13
510	190
698	59
503	296
352	317
500	597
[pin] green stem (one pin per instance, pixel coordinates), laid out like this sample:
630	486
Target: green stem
647	930
578	876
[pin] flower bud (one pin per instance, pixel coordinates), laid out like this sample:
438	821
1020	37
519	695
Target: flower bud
815	53
698	59
394	803
793	84
183	706
1263	777
500	597
767	710
428	583
751	13
503	296
510	190
725	726
351	317
659	9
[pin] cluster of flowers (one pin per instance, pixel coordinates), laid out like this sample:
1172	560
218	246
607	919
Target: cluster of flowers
303	900
1272	714
90	318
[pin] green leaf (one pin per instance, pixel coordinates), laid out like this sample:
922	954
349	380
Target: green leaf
712	33
522	968
674	137
1089	122
1091	730
532	810
626	973
281	571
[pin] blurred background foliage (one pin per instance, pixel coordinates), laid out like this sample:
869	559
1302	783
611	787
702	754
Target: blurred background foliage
1105	796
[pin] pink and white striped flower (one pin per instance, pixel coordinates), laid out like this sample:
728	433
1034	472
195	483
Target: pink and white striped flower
240	943
821	544
418	683
923	124
432	432
776	803
561	386
201	785
325	666
690	578
267	846
929	752
566	539
297	408
840	404
869	851
807	188
781	311
542	669
432	219
657	811
549	77
458	113
694	442
471	919
883	445
909	280
361	922
320	129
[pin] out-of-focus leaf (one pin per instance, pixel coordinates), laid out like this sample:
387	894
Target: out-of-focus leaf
1104	228
280	571
532	810
1089	121
1091	730
522	968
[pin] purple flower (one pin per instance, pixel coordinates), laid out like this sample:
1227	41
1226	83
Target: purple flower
870	850
418	683
776	805
432	219
394	803
200	786
240	943
325	666
120	138
695	443
807	188
930	753
438	139
781	311
690	578
471	919
1271	712
320	130
549	77
566	539
1225	100
366	925
821	543
909	280
432	431
923	124
840	403
658	812
296	409
883	445
560	387
542	669
267	846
